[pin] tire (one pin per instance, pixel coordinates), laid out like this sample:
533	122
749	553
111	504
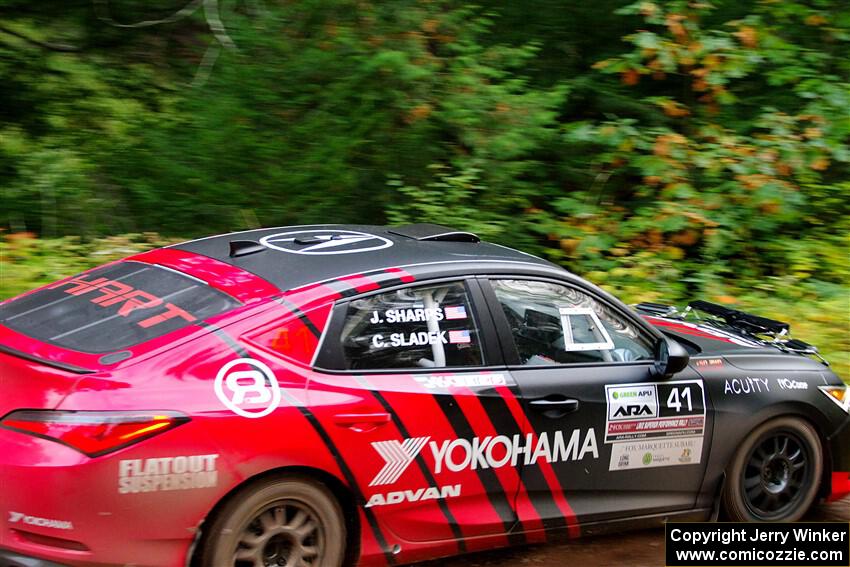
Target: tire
286	521
775	474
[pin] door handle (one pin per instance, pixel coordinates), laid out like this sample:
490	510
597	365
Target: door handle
555	406
362	422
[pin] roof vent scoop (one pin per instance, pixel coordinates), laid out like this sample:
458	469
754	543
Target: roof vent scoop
245	247
427	232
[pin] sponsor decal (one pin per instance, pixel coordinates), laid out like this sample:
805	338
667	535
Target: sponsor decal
491	452
20	517
497	451
459	337
632	410
421	338
655	453
462	381
256	388
663	427
746	386
325	242
654	410
418	495
167	473
656	424
788	384
628	401
113	293
709	362
398	456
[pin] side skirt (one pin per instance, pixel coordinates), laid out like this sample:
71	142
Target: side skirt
643	522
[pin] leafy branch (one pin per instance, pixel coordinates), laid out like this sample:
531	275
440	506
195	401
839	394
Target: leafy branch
211	15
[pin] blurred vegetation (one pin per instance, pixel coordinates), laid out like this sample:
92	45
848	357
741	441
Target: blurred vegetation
665	150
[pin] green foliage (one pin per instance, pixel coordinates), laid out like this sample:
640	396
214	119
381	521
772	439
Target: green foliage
27	262
665	149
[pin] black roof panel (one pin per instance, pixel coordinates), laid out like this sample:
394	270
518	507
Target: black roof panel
426	231
299	255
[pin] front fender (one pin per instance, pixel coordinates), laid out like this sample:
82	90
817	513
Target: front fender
742	402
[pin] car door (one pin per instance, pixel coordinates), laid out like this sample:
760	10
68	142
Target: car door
621	442
409	386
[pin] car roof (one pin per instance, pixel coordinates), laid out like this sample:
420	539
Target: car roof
293	256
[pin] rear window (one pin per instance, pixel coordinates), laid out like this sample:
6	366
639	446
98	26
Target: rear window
114	307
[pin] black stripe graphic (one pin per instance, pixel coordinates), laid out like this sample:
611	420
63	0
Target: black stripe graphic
344	289
530	475
386	279
219	332
488	478
301	315
426	472
326	439
352	482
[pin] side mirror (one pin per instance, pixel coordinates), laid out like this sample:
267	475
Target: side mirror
670	358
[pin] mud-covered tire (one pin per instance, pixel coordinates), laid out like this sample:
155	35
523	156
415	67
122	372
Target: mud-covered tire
775	474
287	521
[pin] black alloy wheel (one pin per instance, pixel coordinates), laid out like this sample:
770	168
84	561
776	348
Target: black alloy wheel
775	475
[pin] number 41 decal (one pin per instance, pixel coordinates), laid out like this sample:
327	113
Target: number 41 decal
675	400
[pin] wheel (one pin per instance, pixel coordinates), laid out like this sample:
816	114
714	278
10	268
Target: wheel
775	473
282	522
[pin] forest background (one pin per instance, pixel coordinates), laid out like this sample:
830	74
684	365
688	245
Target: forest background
666	150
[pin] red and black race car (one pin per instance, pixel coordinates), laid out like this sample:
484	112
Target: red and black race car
321	395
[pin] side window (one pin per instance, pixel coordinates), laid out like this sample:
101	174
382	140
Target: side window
420	327
556	324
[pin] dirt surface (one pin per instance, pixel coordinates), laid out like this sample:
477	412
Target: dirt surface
637	549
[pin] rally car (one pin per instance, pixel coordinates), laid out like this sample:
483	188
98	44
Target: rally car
329	395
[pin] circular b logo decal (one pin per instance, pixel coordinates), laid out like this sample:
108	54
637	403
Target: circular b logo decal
325	242
249	392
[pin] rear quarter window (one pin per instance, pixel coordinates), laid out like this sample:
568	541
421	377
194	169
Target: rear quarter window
415	327
114	307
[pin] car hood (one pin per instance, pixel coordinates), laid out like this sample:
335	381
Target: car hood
709	340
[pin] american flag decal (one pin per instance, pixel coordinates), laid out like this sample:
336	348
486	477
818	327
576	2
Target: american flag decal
458	312
459	337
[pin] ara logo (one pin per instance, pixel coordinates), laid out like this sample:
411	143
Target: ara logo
397	456
633	410
325	242
625	402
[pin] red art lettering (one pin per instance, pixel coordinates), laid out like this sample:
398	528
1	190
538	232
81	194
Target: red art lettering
81	285
114	292
171	311
138	300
